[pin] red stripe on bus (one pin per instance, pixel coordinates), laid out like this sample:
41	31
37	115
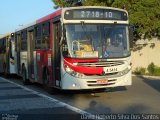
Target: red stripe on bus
74	60
83	69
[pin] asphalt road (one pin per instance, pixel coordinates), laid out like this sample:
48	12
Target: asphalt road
21	103
140	99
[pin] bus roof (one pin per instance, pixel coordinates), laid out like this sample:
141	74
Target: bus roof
25	26
103	7
47	17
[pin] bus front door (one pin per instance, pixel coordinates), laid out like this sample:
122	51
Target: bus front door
56	55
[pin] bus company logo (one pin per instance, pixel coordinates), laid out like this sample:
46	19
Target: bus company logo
9	117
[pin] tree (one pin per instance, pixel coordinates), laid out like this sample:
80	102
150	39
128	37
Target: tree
65	3
143	14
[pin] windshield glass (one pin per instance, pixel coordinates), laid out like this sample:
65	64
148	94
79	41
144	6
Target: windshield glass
96	41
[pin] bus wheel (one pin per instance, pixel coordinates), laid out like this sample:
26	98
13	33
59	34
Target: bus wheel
24	76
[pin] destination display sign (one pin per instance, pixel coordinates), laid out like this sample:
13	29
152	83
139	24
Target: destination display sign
94	14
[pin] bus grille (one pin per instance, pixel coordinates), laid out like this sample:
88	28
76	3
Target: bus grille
102	64
94	83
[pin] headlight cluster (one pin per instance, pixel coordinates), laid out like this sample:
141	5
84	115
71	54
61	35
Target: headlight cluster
72	72
124	71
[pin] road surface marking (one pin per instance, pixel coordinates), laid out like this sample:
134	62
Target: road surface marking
77	110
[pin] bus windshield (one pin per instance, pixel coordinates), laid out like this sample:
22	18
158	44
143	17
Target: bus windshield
97	41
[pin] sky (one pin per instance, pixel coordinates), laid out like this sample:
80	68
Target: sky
15	13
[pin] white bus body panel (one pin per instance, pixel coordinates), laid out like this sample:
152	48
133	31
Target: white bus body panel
71	83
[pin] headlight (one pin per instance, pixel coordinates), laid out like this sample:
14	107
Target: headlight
68	69
72	72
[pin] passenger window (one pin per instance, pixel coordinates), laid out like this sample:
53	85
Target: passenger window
38	35
24	40
3	46
46	35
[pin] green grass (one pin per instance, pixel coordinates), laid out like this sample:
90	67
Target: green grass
140	71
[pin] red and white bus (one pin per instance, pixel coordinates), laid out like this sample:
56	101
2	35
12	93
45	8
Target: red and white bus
76	48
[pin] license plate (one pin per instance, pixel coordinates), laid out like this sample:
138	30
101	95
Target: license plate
110	70
104	81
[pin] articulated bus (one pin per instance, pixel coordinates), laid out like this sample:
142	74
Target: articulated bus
76	48
7	63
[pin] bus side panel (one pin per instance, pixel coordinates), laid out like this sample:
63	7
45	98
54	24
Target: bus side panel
43	60
48	63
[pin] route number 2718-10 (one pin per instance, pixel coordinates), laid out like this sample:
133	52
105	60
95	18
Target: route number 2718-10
96	14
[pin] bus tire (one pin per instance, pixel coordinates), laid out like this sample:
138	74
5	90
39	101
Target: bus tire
24	75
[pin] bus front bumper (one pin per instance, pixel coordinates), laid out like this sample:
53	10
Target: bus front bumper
72	83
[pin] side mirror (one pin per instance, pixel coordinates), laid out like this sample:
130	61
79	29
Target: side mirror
131	36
